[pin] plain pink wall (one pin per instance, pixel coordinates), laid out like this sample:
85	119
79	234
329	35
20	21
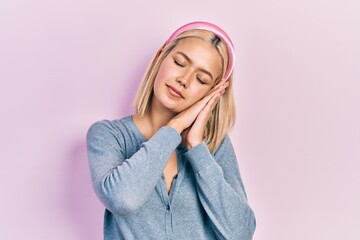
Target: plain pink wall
66	64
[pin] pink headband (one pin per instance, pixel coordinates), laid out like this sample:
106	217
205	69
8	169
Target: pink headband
216	30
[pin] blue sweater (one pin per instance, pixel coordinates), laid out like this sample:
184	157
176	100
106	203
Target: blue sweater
207	199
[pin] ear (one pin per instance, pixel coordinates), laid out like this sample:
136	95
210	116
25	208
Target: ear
159	52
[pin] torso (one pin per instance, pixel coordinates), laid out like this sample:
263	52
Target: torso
170	171
171	168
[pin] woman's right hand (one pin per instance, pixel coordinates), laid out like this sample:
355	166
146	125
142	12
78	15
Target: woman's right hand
187	117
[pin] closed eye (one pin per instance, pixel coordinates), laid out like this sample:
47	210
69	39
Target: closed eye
201	81
179	64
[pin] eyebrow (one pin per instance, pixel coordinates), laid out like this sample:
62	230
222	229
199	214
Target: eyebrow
201	69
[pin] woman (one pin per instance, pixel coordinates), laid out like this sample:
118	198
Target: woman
169	171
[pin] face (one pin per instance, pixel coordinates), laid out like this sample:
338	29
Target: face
186	74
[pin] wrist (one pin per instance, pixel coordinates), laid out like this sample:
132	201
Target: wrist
175	125
190	145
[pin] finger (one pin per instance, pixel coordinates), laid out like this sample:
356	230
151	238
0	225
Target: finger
219	88
211	104
219	85
223	84
198	127
206	111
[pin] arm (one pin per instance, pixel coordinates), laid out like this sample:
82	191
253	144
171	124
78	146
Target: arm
221	191
123	185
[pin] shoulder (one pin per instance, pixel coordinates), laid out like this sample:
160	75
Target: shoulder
114	125
109	128
224	146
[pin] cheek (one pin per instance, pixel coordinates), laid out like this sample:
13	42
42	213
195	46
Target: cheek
164	70
199	94
161	76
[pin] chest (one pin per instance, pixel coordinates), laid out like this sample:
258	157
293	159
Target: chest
171	171
178	215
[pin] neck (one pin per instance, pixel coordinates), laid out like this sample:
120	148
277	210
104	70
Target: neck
156	118
158	115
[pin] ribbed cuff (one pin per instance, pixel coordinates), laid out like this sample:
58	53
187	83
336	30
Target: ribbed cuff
200	157
167	136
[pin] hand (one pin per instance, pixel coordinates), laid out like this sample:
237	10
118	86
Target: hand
194	134
194	119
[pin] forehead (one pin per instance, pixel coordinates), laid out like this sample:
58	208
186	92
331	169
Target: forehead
201	53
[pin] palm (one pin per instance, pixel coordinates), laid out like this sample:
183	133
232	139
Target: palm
191	123
194	134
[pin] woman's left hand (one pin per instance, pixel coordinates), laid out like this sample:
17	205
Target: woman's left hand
194	134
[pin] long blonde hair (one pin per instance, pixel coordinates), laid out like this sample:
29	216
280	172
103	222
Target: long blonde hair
223	115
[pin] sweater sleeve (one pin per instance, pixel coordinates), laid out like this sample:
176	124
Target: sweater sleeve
221	191
123	185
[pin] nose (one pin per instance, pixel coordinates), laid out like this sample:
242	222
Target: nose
184	79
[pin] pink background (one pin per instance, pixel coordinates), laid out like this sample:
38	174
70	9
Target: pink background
66	64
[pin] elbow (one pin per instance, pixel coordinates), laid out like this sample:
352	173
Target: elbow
250	225
120	205
117	199
252	222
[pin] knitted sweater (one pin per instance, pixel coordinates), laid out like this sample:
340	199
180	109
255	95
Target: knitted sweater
207	199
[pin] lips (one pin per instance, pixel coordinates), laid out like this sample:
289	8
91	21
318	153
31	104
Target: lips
174	92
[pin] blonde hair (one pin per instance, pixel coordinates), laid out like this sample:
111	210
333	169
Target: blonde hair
223	115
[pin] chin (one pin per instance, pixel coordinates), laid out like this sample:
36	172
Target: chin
173	109
169	104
